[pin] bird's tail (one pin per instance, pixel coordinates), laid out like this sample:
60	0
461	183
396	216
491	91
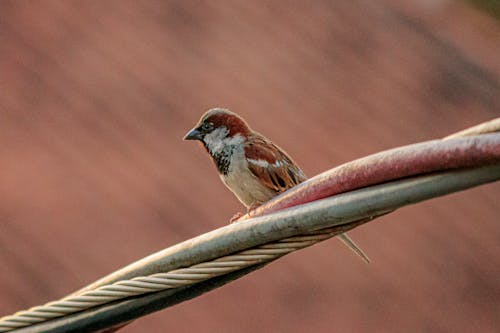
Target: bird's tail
351	245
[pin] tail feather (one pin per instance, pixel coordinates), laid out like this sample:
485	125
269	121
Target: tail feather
351	245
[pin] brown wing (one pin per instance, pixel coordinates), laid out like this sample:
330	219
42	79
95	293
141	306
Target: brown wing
271	165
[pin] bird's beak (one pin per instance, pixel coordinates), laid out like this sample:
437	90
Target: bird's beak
193	134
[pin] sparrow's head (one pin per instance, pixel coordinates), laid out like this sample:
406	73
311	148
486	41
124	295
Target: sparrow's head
218	128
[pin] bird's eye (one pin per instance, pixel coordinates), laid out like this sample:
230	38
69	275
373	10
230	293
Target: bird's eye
207	126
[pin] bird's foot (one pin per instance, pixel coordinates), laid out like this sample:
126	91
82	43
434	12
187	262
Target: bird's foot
252	207
236	217
239	215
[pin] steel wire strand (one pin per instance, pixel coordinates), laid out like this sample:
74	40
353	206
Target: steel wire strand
161	281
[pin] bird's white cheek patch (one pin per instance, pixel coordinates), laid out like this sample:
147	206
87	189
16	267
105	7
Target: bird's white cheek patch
233	141
218	140
215	139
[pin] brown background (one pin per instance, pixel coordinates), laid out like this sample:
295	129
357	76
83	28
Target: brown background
95	97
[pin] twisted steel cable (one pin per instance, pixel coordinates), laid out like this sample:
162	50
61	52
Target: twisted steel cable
161	281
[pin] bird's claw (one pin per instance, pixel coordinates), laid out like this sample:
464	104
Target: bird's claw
239	215
236	217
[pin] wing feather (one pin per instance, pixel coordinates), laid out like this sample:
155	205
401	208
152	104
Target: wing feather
271	165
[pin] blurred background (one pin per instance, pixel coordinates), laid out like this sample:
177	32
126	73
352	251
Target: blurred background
95	97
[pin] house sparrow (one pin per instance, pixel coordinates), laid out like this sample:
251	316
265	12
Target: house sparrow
250	165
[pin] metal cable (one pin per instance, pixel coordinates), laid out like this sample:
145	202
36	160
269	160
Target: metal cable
162	281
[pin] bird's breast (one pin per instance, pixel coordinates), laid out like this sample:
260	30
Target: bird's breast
244	184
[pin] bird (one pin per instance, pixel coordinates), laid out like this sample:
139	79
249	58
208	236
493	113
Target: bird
249	164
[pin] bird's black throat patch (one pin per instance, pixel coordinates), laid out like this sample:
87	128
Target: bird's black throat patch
222	159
